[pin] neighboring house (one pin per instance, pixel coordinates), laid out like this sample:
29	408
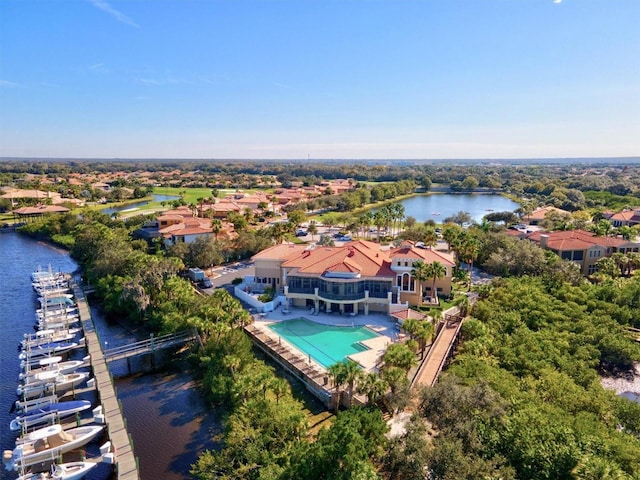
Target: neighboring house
180	226
222	208
357	277
539	214
581	247
626	217
105	187
39	211
38	195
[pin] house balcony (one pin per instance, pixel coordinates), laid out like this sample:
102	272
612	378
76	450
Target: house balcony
332	296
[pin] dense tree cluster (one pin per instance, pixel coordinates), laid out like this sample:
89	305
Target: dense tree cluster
522	399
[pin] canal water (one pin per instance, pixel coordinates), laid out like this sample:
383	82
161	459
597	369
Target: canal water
438	206
168	420
137	205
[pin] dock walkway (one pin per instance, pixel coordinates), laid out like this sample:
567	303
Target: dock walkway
149	345
125	461
438	354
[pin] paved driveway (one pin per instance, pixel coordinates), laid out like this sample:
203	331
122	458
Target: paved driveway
223	276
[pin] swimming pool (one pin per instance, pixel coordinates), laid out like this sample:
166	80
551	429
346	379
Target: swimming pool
326	344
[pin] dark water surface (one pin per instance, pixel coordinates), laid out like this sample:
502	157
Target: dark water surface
167	419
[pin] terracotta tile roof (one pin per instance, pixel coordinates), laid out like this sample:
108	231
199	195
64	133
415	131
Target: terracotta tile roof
354	257
280	252
181	211
427	255
575	240
540	213
408	314
625	215
41	209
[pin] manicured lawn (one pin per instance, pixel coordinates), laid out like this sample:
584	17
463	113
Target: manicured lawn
191	195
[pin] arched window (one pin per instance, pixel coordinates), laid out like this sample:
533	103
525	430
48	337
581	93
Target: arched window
406	282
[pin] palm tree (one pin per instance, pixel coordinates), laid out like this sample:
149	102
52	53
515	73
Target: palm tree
436	270
468	248
463	304
351	373
262	206
421	330
200	201
421	273
232	362
430	238
336	372
312	230
366	220
607	266
622	261
450	232
379	220
634	261
280	387
216	227
397	210
372	386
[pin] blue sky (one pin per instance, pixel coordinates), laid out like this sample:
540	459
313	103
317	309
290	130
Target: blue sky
432	79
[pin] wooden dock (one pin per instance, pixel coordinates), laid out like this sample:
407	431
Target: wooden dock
438	355
125	462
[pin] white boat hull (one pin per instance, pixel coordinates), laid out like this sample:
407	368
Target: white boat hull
63	471
30	375
61	383
47	443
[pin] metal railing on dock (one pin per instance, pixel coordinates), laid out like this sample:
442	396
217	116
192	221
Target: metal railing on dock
150	345
125	461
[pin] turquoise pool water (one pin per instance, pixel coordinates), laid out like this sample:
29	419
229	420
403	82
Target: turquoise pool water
325	343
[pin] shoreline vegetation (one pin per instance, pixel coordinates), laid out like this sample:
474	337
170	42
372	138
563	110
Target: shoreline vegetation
521	399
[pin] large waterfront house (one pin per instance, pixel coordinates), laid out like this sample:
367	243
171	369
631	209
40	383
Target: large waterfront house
358	277
583	248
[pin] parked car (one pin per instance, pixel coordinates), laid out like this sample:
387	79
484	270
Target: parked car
206	283
301	233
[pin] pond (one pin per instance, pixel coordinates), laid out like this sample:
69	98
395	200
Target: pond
439	206
134	206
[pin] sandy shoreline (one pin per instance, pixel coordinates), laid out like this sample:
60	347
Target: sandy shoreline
628	388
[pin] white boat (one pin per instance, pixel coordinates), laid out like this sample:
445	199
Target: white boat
48	414
51	312
58	299
50	348
58	322
47	443
51	286
62	471
48	335
41	275
51	382
29	405
47	365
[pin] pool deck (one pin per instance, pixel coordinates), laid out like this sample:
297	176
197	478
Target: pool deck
381	323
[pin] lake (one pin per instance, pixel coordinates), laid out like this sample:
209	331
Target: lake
438	206
137	205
